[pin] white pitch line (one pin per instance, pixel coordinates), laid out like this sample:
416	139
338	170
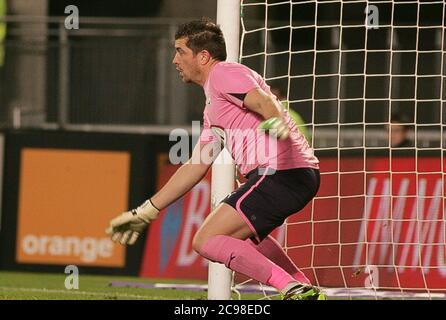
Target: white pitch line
77	292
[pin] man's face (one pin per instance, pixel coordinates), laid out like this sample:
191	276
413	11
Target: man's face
397	134
185	61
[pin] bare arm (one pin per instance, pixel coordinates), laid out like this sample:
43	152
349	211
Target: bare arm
262	103
270	109
127	227
186	177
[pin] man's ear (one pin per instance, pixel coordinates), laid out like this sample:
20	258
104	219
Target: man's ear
205	56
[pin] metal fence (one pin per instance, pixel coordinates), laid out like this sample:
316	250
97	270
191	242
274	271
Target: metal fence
107	72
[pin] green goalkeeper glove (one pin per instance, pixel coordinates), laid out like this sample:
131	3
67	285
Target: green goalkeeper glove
275	127
127	227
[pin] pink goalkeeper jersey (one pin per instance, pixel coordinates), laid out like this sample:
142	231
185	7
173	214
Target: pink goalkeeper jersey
225	89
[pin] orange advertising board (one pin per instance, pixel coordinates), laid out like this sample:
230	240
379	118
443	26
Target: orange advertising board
66	199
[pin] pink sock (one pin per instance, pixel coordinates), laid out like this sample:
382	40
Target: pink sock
241	257
271	248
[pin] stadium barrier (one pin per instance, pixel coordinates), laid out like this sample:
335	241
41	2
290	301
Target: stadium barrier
61	188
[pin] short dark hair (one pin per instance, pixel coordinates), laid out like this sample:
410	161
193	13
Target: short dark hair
401	118
203	34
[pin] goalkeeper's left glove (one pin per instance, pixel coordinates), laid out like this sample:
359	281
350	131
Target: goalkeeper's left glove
275	127
127	227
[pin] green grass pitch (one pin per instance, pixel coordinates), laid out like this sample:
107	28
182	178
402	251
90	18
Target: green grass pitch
44	286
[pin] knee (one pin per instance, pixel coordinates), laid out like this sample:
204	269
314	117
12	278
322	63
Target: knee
197	243
207	245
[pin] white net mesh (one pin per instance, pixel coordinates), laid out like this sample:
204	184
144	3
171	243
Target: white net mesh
356	71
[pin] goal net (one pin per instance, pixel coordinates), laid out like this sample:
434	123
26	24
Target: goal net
367	78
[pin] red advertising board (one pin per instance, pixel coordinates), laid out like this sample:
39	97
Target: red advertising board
168	250
379	217
374	222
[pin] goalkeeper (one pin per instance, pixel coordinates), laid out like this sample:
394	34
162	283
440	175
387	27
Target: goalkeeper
237	232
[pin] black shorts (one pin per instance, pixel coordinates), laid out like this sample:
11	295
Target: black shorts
266	200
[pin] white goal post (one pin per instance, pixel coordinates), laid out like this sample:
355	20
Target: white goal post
354	69
223	171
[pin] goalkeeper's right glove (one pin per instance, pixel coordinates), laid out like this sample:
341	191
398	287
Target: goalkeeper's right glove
275	127
127	227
